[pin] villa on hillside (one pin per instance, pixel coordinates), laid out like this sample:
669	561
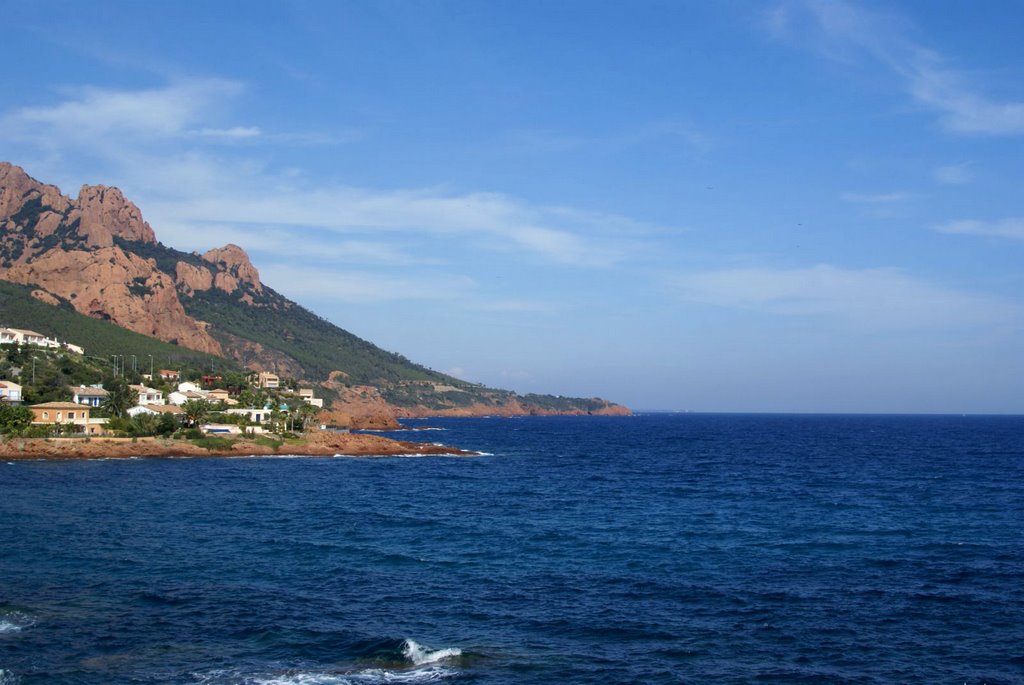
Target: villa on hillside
179	398
157	410
92	395
265	379
168	375
10	392
220	395
22	336
148	395
67	412
254	415
306	394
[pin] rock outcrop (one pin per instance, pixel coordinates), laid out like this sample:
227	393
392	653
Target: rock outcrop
108	283
192	279
105	214
18	188
357	406
233	266
66	249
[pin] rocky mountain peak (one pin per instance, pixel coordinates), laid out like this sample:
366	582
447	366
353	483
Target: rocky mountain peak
234	266
105	213
17	188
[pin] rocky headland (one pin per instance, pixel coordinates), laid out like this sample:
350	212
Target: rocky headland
96	254
314	444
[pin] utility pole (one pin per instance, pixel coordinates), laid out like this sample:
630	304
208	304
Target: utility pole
114	357
134	368
151	368
33	370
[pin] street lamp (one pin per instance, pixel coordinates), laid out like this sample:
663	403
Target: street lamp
150	367
33	370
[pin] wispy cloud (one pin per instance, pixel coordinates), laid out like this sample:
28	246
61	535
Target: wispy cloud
92	117
168	143
848	33
96	116
868	298
953	174
876	198
490	221
234	132
1011	228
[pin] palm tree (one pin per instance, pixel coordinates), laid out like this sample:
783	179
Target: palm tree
119	397
306	412
195	411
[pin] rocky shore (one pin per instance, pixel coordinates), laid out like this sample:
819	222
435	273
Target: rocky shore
314	444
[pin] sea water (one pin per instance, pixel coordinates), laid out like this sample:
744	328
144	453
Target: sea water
648	549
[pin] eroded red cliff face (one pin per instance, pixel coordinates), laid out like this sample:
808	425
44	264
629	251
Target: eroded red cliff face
69	249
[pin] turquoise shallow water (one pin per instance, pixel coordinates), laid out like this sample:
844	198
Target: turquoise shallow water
651	549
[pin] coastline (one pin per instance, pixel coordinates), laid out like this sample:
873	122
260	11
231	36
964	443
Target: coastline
314	444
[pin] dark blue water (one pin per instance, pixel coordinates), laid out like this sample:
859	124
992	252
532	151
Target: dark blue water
652	549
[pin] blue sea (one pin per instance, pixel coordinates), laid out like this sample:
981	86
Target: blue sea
650	549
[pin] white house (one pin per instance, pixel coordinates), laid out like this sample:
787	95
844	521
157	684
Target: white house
26	337
189	386
179	398
148	395
21	336
254	415
10	392
156	410
91	395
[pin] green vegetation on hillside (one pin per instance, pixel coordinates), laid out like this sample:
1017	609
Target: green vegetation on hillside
317	344
18	309
279	324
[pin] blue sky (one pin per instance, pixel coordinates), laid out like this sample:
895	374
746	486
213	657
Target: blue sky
728	206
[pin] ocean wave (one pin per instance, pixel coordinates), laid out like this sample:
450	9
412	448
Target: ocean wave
13	622
420	655
404	662
369	676
8	678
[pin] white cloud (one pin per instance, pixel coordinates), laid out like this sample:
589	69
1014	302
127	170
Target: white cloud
848	33
876	198
867	298
282	242
231	133
953	174
98	116
1011	228
207	195
204	199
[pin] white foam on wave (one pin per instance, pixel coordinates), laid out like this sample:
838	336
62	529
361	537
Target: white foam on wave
420	655
13	622
369	676
7	678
